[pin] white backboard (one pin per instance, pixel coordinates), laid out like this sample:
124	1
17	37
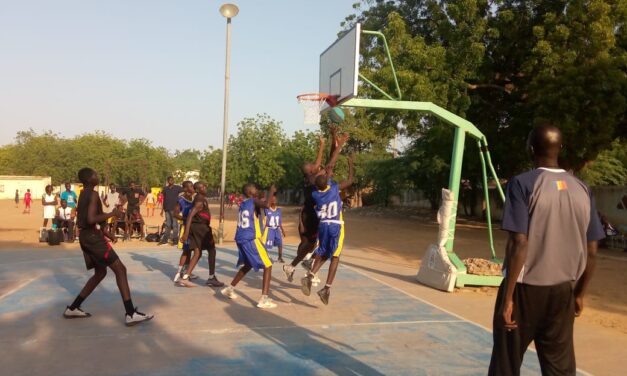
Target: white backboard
339	66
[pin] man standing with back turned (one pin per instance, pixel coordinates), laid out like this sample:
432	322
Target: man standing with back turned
170	196
550	257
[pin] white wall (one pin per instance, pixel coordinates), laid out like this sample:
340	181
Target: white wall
36	184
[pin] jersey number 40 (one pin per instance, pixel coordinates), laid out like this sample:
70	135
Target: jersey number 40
328	210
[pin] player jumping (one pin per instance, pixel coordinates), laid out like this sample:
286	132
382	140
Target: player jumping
331	232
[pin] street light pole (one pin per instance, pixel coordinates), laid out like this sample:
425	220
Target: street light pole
229	11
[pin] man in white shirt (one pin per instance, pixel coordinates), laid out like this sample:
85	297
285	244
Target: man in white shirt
65	219
111	199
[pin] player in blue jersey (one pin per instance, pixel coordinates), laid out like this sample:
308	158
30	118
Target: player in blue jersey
309	222
274	233
184	205
331	231
252	252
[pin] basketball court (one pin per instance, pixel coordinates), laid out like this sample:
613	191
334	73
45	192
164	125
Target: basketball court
369	328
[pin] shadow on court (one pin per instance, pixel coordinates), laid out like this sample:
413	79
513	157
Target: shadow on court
306	351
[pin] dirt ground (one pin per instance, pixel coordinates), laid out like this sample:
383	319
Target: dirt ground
390	244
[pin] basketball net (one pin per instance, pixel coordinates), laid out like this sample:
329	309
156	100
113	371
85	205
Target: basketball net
312	104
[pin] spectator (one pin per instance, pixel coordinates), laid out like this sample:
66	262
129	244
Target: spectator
111	199
49	201
160	200
27	202
69	196
150	204
135	197
65	219
17	198
170	195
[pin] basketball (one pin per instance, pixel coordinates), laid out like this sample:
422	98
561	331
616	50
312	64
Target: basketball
336	115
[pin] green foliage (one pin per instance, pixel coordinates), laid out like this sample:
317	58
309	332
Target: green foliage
609	168
118	161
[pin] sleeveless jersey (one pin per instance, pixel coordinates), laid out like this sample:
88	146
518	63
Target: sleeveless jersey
83	206
273	217
329	203
203	216
186	207
249	225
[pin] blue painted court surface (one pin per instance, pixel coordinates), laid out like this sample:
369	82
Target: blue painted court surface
369	328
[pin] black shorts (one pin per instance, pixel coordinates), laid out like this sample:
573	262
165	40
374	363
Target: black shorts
200	237
96	249
308	226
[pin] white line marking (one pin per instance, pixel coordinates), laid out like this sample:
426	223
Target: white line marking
438	307
246	329
17	288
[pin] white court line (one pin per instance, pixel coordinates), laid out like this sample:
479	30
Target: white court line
246	329
438	307
17	288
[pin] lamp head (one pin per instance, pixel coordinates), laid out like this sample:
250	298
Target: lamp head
229	10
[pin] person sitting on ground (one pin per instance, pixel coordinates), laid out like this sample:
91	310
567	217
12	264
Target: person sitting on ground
65	219
137	223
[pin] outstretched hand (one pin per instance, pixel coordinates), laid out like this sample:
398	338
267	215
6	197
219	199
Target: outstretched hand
341	140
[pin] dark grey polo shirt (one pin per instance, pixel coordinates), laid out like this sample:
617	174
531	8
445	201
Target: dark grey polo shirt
557	213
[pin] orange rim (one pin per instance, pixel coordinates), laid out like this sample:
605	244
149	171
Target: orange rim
313	97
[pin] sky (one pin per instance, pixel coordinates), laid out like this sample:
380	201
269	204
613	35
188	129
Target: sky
154	69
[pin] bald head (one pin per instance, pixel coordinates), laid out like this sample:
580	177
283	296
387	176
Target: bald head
545	141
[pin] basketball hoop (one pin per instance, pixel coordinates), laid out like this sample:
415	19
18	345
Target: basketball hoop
312	104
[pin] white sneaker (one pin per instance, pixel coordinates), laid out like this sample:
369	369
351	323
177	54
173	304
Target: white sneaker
315	281
289	272
137	317
266	303
75	313
229	292
177	277
185	283
192	276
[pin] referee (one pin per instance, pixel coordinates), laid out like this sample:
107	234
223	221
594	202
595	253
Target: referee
550	257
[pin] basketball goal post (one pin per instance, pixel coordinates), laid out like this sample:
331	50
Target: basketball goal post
339	79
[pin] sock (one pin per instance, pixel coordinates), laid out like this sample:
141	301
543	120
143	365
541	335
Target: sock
128	306
186	276
77	302
212	276
264	297
327	286
180	269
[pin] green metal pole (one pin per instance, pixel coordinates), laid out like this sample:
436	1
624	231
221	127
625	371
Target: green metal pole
457	158
486	197
491	166
376	87
387	50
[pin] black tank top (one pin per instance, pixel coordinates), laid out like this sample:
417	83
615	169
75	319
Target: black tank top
203	216
309	205
83	206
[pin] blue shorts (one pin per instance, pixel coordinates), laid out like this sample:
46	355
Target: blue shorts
273	238
330	240
253	253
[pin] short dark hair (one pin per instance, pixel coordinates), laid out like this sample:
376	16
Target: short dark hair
198	184
84	174
186	183
169	177
321	181
247	186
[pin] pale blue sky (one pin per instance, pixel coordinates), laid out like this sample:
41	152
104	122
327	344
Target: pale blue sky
155	68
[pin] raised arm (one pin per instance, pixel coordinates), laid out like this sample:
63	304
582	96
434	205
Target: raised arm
348	182
339	141
318	161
